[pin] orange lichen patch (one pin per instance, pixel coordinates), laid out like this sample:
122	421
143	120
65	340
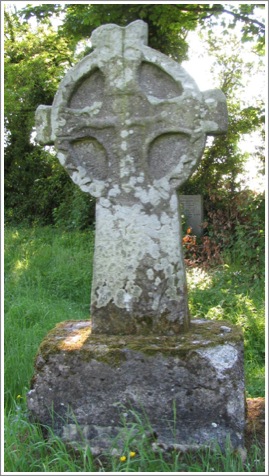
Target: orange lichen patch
76	339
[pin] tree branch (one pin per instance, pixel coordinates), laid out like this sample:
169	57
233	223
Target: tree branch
198	12
238	16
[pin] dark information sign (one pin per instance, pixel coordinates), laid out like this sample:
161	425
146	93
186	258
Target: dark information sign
192	207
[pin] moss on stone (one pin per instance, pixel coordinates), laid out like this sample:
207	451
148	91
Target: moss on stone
75	336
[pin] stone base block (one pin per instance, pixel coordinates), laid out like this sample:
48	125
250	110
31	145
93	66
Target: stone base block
190	387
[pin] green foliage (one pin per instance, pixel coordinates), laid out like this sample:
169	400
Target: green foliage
244	16
252	29
42	12
238	226
34	64
77	211
168	24
221	168
248	246
34	187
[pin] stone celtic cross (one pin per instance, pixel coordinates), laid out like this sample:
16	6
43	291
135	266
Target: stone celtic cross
129	125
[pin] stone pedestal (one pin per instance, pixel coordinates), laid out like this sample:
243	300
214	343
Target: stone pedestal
190	387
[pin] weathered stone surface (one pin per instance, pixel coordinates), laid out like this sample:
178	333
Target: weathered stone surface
191	387
129	125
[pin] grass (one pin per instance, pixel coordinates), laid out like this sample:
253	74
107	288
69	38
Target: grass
47	280
27	451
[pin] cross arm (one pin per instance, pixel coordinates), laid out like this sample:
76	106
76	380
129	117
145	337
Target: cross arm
43	125
215	113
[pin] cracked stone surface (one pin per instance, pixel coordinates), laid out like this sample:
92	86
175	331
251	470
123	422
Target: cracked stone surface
129	125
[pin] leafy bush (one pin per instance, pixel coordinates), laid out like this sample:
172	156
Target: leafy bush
248	247
234	231
39	191
34	186
76	212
